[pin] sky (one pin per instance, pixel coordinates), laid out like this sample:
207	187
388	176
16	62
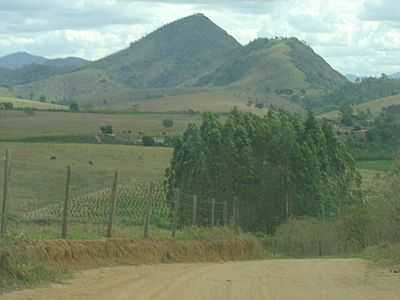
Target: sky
355	36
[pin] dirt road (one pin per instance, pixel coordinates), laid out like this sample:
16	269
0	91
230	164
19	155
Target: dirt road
319	279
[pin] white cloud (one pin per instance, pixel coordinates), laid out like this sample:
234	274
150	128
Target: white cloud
357	36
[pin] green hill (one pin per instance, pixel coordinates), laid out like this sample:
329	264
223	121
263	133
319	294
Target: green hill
276	64
186	57
174	55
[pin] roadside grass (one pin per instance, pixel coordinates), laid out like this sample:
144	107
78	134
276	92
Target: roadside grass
385	254
37	180
18	272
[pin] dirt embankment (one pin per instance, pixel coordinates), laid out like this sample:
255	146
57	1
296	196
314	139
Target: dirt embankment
78	255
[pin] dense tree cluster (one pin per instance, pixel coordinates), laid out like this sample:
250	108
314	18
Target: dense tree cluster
278	166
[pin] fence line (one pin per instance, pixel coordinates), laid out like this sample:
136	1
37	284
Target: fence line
113	211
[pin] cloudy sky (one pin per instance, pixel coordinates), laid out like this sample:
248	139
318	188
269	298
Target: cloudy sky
355	36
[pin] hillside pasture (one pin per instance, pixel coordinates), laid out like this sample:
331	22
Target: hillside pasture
16	125
24	103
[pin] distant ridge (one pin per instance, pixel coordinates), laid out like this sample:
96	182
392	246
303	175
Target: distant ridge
22	59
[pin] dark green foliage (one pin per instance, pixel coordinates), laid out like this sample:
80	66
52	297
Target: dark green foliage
106	129
381	139
168	123
278	167
6	105
346	115
74	106
148	141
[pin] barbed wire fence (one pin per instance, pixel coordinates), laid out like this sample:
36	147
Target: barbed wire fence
139	210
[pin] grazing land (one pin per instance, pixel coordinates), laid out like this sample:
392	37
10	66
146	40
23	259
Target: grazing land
38	180
328	279
16	125
24	103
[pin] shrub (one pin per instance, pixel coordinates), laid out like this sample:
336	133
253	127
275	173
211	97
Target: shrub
106	129
148	141
168	123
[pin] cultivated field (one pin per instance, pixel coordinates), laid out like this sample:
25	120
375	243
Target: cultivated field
37	180
24	103
16	125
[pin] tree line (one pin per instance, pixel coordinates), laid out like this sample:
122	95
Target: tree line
272	168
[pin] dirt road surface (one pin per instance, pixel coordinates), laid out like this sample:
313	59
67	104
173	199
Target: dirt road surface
318	279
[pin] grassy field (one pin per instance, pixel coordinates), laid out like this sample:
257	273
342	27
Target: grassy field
376	106
375	165
16	125
36	180
218	100
24	103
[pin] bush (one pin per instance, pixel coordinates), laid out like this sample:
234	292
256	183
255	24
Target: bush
74	106
148	141
106	129
7	105
168	123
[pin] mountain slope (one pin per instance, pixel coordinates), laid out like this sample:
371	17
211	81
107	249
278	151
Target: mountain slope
174	55
20	59
275	64
189	56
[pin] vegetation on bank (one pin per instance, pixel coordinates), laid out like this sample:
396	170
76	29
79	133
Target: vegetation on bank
370	227
26	263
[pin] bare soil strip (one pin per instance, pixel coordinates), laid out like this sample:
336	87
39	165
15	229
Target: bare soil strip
317	279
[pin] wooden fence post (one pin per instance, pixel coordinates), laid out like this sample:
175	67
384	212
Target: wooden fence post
212	212
176	212
233	218
149	206
64	230
113	205
225	213
194	217
5	194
